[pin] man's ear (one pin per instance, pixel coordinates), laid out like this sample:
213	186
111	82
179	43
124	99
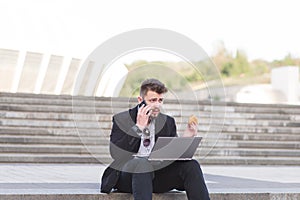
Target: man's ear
140	99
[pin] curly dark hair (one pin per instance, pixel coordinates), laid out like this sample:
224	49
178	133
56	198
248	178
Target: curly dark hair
152	85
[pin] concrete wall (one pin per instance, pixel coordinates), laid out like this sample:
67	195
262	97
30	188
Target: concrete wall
286	80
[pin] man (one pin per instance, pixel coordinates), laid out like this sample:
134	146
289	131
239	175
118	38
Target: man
135	132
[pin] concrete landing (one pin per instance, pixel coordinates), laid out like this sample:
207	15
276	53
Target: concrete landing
69	181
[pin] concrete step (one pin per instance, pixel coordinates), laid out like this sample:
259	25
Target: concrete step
258	136
103	134
54	108
103	108
103	140
271	110
169	108
238	126
257	145
244	144
253	152
51	140
170	104
48	148
255	129
230	106
104	159
104	150
92	126
165	196
53	158
253	116
248	160
36	131
107	118
269	144
55	124
44	128
48	116
60	100
65	180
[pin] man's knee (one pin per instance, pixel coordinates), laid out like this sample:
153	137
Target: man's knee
192	166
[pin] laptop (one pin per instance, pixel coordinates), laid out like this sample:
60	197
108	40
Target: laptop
174	148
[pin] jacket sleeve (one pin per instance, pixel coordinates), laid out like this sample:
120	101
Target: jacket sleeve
123	140
172	127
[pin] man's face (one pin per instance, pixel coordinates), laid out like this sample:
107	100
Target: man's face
155	100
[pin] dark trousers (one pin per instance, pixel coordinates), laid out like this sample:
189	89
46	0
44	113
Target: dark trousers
142	178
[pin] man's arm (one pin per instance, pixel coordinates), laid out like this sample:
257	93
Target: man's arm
124	141
173	127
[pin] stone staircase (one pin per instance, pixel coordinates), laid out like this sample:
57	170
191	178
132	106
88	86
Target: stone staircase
65	129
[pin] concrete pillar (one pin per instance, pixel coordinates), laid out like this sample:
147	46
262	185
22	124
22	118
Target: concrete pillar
42	72
8	64
52	74
18	70
71	77
63	74
30	71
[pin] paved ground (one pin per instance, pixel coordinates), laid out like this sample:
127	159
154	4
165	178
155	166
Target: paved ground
84	179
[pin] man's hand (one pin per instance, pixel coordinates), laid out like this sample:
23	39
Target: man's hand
192	127
143	115
191	130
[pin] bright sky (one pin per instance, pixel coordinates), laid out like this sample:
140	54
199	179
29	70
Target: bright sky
263	29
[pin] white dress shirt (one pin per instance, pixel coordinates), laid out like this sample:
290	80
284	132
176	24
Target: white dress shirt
145	151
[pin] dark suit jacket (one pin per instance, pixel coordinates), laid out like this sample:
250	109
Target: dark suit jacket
124	142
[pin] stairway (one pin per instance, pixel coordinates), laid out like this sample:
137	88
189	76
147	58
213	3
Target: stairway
65	129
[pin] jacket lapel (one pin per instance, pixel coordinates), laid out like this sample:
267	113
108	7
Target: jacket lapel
160	125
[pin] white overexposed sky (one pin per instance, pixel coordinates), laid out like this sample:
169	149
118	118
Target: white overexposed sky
263	29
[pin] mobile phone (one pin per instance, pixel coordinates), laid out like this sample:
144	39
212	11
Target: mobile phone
142	103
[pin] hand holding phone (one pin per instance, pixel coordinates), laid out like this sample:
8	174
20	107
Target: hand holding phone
143	114
142	103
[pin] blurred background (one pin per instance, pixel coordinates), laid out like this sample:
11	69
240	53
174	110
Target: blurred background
254	46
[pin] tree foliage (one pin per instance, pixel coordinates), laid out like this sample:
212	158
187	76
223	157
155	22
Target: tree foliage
239	65
234	68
